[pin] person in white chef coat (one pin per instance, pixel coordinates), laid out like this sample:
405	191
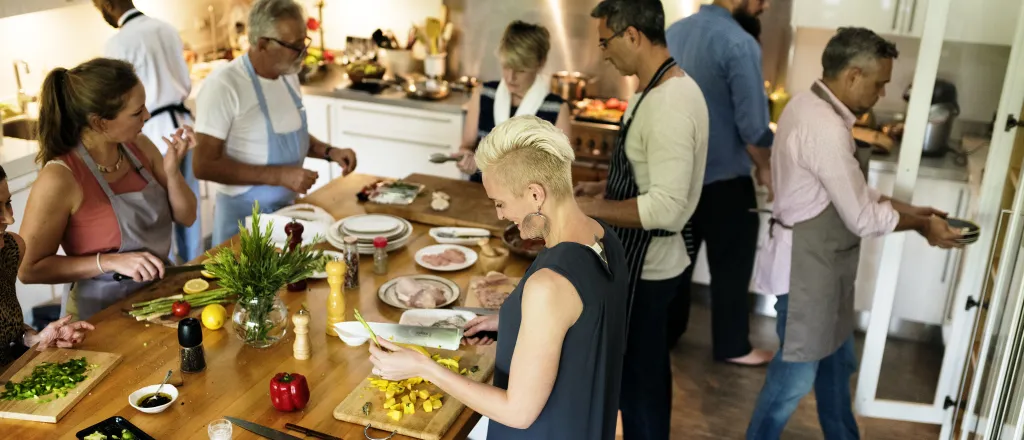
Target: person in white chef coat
252	131
156	51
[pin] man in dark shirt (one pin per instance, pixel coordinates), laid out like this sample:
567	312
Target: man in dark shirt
725	60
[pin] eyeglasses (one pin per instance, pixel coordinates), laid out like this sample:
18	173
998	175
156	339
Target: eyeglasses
603	44
298	49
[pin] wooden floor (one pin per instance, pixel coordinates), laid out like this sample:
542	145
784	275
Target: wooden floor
714	401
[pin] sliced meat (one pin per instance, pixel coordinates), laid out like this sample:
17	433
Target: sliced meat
492	298
437	260
455	256
406	288
422	300
438	295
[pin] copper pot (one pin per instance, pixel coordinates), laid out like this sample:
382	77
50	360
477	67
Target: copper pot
571	86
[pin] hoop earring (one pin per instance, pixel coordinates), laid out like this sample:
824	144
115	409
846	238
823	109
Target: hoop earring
534	226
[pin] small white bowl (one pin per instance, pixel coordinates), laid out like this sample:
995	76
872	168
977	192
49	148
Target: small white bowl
170	390
352	333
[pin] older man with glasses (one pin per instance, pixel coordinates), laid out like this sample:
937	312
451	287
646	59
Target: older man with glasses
251	124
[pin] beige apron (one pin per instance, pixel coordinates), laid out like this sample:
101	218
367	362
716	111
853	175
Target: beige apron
825	255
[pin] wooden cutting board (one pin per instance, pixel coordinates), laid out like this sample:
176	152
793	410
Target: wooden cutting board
52	411
424	425
473	299
470	206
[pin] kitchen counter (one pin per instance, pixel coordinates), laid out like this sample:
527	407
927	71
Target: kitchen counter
333	85
944	167
18	156
235	380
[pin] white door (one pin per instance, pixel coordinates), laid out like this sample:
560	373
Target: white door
29	295
943	406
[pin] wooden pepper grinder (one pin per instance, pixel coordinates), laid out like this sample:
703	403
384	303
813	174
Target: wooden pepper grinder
336	299
301	348
294	230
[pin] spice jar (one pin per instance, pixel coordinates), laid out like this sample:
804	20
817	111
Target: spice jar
351	262
380	256
190	338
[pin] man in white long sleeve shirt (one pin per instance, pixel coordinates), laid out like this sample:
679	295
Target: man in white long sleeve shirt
653	186
154	48
823	206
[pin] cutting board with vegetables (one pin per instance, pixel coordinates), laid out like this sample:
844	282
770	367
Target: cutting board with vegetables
469	205
365	405
50	408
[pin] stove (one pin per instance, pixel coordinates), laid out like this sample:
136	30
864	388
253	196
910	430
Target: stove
593	143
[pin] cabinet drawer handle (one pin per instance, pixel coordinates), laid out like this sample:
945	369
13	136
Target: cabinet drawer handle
896	14
391	139
424	118
913	11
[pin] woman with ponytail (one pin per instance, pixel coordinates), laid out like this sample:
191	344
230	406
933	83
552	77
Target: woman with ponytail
104	193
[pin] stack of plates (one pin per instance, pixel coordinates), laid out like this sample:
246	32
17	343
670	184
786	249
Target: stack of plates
970	231
366	227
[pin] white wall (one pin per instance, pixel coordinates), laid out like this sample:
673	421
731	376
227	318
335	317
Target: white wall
68	36
360	18
976	70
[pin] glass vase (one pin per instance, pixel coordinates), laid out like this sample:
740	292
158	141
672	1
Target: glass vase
260	323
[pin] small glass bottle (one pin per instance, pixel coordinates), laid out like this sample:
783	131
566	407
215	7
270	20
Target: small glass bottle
351	262
380	256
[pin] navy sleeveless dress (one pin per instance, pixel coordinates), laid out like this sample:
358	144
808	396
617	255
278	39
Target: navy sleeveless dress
548	111
585	398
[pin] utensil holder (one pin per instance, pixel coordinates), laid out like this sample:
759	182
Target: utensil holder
434	65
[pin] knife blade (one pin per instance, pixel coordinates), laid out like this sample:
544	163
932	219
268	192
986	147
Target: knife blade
461	236
310	432
167	271
478	310
261	430
432	337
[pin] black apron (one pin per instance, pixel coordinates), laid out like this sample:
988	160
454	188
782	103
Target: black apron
622	186
822	276
170	109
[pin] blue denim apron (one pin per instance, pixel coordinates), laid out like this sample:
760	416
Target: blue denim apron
282	149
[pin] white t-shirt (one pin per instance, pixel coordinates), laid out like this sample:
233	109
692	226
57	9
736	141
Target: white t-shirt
227	109
154	48
667	147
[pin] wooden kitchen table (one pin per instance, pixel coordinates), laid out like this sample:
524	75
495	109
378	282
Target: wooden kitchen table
236	379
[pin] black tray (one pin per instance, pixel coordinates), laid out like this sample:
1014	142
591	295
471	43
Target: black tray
113	426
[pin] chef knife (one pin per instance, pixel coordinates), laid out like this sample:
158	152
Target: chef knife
478	310
309	433
432	337
261	430
167	271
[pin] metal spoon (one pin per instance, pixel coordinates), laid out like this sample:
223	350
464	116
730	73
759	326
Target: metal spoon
157	393
442	158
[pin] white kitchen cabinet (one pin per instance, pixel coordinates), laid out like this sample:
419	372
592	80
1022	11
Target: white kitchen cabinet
29	295
10	8
394	141
927	274
970	21
882	16
318	117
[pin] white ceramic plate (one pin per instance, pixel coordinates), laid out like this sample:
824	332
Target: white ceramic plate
435	234
337	256
388	294
305	211
439	248
436	318
312	232
372	224
335	237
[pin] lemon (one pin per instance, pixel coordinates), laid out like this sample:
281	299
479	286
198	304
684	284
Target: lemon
213	316
207	274
196	285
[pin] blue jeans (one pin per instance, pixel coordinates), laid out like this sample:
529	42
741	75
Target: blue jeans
788	382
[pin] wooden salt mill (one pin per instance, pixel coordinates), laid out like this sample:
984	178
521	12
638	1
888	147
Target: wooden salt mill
294	230
301	348
336	299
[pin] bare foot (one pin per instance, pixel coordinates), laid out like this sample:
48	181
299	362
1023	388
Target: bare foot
755	358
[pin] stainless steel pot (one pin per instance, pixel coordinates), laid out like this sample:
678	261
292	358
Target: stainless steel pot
571	86
940	125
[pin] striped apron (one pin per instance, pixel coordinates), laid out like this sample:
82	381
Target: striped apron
622	186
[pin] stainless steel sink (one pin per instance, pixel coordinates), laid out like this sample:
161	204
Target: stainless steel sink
21	128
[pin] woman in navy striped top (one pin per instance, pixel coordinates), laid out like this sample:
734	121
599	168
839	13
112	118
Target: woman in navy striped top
523	90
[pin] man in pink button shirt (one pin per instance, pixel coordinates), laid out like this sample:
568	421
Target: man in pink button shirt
823	207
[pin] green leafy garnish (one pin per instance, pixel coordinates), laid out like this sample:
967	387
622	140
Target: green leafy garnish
372	335
48	378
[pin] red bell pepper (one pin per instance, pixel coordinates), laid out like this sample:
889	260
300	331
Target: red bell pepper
289	391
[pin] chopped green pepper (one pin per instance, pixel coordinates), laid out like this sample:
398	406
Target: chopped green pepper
47	378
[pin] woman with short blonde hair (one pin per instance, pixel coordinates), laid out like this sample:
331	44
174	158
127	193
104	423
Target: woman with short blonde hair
561	333
523	90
